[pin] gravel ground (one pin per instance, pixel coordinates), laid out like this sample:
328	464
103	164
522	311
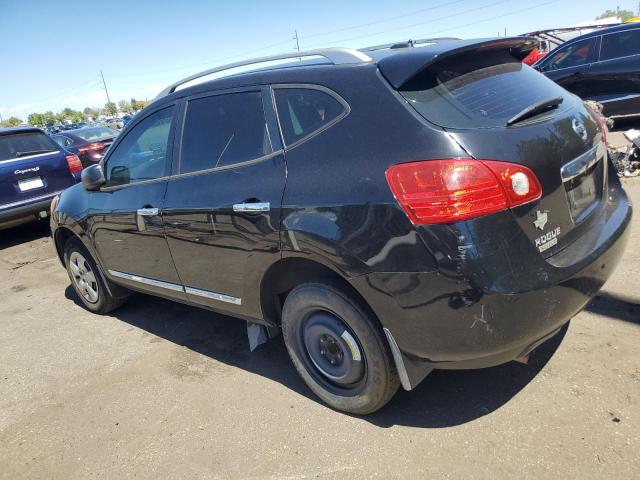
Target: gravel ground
162	390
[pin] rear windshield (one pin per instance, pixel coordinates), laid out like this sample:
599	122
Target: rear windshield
96	133
479	91
24	144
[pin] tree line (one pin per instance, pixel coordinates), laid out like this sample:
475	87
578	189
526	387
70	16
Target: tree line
67	114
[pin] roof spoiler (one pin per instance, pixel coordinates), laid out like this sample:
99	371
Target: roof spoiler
401	67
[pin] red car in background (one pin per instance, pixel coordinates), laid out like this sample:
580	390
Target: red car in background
89	143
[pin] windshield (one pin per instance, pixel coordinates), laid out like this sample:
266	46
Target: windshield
22	144
478	91
95	133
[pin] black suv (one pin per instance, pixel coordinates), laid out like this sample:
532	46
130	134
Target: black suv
603	65
392	210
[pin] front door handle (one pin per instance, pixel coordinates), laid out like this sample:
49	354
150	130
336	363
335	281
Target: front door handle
147	212
252	207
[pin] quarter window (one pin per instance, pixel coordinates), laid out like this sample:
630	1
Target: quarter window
62	140
303	111
621	44
142	154
573	55
223	130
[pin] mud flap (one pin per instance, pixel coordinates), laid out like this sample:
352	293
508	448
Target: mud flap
257	335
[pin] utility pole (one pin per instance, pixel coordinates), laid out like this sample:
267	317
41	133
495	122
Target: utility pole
297	42
505	31
105	87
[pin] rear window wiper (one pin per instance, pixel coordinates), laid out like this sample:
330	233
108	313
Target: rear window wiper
535	109
32	152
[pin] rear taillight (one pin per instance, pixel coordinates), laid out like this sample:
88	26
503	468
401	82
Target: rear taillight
75	165
92	147
603	126
451	190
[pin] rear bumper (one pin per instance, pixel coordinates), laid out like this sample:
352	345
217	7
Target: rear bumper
14	213
464	318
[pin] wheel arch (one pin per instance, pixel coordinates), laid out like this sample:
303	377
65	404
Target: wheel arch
287	273
60	237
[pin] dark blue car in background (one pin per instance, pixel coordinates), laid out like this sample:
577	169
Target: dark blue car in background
33	169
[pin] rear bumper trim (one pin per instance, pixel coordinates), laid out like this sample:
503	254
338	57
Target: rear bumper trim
29	201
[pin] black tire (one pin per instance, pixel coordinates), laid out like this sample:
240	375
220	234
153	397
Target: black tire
90	286
315	311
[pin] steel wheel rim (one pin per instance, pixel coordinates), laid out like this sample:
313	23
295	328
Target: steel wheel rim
84	278
333	351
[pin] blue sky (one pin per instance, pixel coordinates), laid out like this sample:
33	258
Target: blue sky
51	52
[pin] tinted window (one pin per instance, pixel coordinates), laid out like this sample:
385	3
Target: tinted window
24	144
478	91
622	44
302	111
573	55
223	130
95	133
142	154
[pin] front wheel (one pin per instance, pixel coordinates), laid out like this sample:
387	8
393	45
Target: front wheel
87	280
338	348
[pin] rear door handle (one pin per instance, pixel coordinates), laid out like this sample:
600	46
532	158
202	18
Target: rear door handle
252	207
147	212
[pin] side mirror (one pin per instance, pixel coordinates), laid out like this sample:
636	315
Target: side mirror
93	177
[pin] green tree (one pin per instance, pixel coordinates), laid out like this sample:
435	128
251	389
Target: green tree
11	122
77	116
110	108
623	14
140	104
91	112
48	118
124	106
36	119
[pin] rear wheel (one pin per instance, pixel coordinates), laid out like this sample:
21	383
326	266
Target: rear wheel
338	348
87	280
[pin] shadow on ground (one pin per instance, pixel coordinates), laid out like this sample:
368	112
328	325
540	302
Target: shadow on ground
443	399
615	307
23	234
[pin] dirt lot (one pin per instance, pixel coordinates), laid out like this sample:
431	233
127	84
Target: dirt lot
161	390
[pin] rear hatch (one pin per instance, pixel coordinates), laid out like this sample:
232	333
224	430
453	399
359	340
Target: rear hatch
31	166
498	108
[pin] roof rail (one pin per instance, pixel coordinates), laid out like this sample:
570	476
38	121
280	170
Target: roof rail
338	56
407	43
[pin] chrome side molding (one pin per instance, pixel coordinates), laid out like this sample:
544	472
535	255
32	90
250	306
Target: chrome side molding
213	295
147	281
397	357
252	207
177	288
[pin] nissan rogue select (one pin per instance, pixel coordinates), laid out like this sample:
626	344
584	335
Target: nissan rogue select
392	211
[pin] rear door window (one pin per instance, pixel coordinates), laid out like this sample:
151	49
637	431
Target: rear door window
18	145
573	55
223	130
96	133
479	91
305	111
621	44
